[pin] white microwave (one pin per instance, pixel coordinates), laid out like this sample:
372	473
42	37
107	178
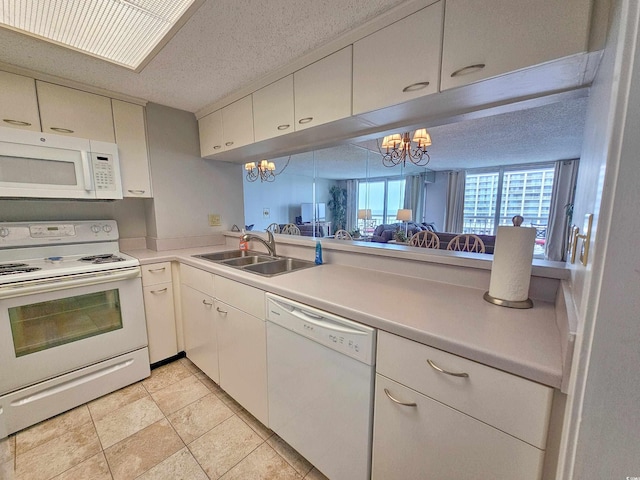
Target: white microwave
45	165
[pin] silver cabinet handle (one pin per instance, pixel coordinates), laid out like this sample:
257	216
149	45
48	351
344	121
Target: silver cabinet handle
18	123
61	130
158	292
136	192
217	147
284	126
221	311
415	87
435	367
404	404
468	69
154	270
207	303
228	144
305	120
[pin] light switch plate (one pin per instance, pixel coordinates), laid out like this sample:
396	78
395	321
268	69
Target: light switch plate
215	220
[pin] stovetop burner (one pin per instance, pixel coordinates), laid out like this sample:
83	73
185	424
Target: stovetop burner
15	268
103	258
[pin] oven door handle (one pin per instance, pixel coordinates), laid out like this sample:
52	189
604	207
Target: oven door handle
73	281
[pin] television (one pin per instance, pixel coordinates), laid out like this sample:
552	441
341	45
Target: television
307	212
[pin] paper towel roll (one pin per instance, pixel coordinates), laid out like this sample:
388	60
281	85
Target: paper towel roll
511	269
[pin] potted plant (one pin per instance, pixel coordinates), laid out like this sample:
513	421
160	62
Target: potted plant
338	207
400	236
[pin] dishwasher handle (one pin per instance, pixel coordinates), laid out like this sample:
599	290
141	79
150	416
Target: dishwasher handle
314	318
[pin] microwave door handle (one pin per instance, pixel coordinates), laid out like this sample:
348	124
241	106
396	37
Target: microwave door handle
86	171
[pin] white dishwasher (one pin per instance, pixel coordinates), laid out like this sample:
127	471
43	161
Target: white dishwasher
321	378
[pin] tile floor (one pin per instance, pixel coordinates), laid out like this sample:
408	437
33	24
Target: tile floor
176	424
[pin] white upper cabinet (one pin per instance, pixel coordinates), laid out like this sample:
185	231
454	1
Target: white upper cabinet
398	63
210	128
273	109
67	111
322	90
129	124
237	123
18	102
486	38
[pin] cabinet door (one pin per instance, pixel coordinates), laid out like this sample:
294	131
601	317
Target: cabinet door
398	63
66	111
432	440
18	102
237	123
131	137
322	90
210	128
242	350
486	38
200	333
161	322
273	109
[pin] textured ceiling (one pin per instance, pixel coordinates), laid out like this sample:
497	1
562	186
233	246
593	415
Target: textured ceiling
224	46
543	134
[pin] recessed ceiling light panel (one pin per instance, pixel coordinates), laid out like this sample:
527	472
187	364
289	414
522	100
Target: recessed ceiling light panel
125	32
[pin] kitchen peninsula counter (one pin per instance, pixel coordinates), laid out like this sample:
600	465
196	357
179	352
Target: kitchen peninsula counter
450	317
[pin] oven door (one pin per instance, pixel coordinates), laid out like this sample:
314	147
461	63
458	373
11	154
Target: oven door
53	326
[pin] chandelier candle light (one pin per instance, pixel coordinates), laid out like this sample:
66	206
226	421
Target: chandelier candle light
399	149
264	170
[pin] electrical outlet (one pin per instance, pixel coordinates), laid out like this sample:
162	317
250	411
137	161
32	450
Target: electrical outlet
215	220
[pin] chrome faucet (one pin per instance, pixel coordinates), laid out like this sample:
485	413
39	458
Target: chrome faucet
270	243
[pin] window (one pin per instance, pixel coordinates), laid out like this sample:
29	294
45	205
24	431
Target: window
384	197
493	197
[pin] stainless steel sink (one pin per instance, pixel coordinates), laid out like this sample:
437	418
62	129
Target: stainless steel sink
227	255
256	262
276	267
244	261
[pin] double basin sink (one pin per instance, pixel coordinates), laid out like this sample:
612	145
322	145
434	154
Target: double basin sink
256	262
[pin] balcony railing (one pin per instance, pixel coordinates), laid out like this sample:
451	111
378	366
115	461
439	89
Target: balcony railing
484	225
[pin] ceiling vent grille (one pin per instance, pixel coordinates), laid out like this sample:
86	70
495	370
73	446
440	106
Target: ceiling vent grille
125	32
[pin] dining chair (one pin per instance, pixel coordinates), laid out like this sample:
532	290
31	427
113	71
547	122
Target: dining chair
425	239
466	242
273	228
342	235
290	229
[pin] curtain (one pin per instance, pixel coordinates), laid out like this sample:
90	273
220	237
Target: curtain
454	215
564	184
414	195
352	205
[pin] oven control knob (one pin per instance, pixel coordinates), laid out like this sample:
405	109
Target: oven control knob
95	228
107	228
4	232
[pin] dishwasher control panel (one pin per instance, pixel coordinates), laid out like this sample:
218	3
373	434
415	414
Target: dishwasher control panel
345	336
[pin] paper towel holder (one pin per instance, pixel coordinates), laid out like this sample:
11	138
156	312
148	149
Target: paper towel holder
528	303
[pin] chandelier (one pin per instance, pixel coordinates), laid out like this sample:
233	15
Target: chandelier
264	170
399	149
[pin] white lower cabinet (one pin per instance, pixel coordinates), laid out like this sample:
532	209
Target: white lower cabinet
242	345
427	439
157	289
441	416
242	356
199	323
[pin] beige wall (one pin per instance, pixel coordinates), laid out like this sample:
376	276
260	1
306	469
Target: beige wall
186	187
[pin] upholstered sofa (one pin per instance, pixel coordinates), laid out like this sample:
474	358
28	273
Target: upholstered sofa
384	233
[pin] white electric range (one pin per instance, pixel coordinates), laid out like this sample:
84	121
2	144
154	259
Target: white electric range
72	324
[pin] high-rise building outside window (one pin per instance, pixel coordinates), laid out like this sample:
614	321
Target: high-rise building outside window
493	196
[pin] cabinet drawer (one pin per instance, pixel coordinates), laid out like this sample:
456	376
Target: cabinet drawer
517	406
156	273
197	279
248	299
427	439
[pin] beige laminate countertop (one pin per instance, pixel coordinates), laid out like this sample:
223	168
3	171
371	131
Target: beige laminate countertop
449	317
